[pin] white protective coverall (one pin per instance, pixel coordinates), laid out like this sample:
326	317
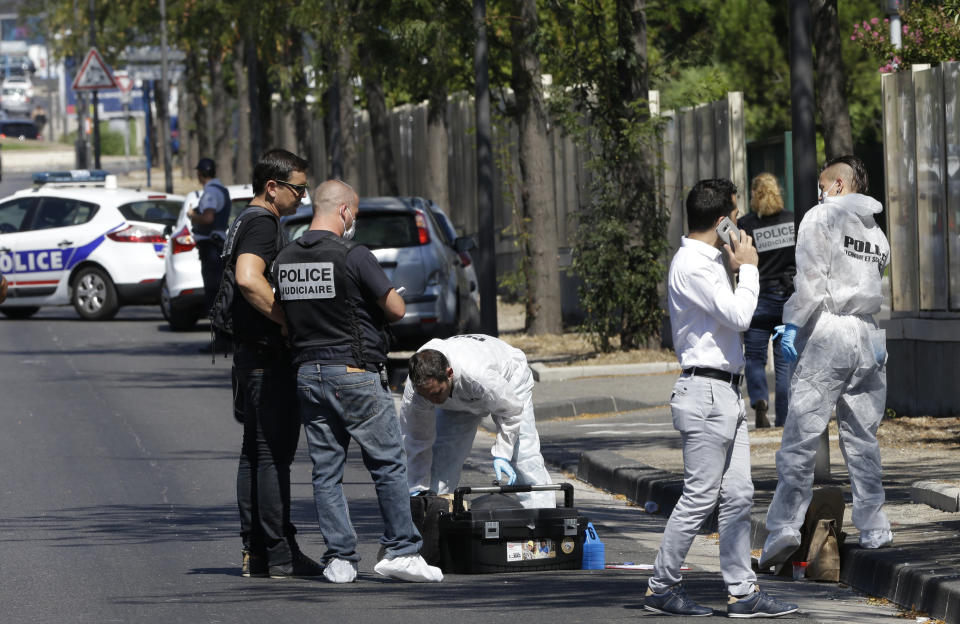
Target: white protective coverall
841	256
489	377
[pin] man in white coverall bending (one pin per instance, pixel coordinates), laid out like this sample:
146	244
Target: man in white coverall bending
452	385
841	255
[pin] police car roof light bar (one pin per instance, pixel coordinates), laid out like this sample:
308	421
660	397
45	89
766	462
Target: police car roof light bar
67	177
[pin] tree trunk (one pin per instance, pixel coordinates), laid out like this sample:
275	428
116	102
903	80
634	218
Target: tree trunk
543	296
348	138
438	144
632	34
244	170
253	98
222	148
379	126
196	81
831	80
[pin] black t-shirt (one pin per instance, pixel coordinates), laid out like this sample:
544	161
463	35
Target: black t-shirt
365	271
256	236
775	240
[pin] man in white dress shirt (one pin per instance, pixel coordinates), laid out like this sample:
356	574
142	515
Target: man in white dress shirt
707	317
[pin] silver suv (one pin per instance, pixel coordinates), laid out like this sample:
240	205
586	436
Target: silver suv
419	250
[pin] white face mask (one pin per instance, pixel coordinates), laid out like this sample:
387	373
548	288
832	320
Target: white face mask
348	234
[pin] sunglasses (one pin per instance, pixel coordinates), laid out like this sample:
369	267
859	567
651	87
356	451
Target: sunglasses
299	189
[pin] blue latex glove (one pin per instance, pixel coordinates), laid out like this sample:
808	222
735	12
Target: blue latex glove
502	467
787	334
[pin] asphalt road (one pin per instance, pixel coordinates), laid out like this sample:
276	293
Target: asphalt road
117	502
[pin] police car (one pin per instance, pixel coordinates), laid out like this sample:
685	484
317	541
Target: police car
182	299
77	239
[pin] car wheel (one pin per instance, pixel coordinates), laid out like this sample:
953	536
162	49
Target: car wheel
94	295
19	313
164	300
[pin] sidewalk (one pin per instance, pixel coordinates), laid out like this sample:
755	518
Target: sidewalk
920	572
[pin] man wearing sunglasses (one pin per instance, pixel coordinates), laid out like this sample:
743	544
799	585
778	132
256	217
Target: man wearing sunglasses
266	392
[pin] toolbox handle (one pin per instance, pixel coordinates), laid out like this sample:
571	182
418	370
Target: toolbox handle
511	489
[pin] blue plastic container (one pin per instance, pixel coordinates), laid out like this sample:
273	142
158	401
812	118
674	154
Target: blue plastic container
593	550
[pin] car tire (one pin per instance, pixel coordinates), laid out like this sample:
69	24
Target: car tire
93	295
179	320
164	300
19	312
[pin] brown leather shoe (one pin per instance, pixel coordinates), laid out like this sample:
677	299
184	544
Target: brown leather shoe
760	408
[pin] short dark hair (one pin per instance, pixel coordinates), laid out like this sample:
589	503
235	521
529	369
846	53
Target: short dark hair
428	364
276	164
860	180
207	167
709	200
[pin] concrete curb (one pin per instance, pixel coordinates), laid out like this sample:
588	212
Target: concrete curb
552	410
900	575
542	372
936	494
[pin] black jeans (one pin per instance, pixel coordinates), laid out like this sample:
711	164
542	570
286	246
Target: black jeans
211	268
267	400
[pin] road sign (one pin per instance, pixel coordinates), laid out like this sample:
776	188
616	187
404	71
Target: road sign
153	71
124	83
94	75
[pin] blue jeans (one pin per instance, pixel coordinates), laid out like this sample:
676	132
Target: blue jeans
335	406
271	430
769	314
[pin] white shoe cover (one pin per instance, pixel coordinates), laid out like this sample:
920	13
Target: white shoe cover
876	538
778	549
340	571
409	568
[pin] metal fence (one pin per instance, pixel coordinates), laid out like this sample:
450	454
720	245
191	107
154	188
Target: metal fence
921	115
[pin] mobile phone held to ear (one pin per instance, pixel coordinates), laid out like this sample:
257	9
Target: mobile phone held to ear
726	230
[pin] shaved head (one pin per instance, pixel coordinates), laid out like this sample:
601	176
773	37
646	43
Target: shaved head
330	195
839	171
850	170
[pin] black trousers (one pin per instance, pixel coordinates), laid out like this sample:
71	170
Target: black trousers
267	400
211	268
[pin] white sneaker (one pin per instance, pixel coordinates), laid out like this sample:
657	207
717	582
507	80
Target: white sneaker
876	538
778	549
340	571
409	568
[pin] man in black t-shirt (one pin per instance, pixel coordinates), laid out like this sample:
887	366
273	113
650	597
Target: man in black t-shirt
266	389
337	302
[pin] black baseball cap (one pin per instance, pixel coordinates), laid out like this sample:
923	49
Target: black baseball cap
207	167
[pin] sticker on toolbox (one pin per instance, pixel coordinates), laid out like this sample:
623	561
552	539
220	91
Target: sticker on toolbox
531	549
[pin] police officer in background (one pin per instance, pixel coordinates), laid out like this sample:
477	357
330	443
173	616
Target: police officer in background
209	222
337	302
772	230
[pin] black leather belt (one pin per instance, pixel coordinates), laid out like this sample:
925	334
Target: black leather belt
714	373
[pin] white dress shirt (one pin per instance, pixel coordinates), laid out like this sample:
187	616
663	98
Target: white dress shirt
707	316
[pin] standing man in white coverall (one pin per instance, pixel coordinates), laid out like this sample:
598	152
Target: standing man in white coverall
452	385
841	256
707	318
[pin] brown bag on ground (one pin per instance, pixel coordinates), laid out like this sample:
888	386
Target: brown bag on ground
820	537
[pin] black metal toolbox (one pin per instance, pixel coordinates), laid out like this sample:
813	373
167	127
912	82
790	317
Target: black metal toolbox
480	541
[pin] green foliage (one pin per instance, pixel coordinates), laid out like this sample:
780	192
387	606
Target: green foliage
931	33
620	240
111	141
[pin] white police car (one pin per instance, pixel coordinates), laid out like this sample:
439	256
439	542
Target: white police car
182	299
78	239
